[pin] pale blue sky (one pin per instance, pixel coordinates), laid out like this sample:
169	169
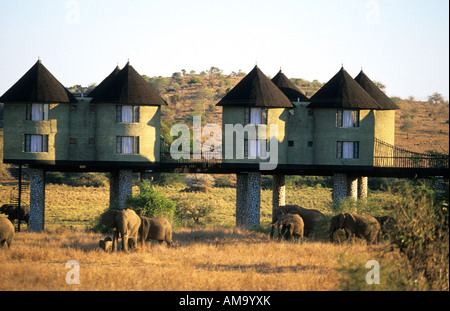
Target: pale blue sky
404	44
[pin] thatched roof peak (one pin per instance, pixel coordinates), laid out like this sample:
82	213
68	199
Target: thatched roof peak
256	90
342	91
126	87
374	91
288	87
38	85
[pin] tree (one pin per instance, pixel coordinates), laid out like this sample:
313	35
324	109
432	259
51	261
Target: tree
436	98
380	85
213	71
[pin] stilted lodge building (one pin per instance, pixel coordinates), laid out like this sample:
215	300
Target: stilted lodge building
116	128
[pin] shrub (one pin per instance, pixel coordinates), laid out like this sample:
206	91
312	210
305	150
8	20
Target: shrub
199	182
419	259
422	235
195	80
194	210
223	182
151	203
407	125
168	179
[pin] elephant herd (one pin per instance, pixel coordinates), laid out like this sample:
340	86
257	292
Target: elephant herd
293	221
130	226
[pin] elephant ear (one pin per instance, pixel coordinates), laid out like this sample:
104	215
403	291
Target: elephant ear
350	218
108	218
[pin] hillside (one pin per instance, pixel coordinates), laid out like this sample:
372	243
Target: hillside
420	126
197	94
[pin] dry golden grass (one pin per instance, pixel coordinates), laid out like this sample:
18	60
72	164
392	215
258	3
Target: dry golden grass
212	258
204	259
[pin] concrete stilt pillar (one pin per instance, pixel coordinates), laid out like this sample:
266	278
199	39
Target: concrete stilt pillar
279	192
254	199
362	187
37	200
248	199
241	199
352	187
114	188
339	187
120	187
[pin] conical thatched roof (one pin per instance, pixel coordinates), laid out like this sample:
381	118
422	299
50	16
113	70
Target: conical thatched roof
375	92
38	85
288	88
127	87
342	91
256	90
105	82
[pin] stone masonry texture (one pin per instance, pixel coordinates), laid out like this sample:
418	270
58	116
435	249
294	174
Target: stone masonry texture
37	200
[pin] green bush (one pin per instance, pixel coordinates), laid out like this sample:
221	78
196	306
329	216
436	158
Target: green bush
309	181
195	80
192	212
418	256
151	203
168	179
422	235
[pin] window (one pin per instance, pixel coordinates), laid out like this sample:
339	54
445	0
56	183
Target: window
37	112
256	116
310	144
256	148
347	118
36	143
347	150
290	143
127	145
127	114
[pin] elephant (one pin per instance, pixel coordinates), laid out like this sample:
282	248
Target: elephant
106	244
292	226
361	226
124	222
387	224
11	211
157	228
6	232
310	217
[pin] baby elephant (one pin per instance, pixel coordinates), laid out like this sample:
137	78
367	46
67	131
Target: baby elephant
361	226
157	228
106	244
6	232
292	226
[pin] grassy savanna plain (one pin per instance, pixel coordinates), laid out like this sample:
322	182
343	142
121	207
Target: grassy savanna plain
213	256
